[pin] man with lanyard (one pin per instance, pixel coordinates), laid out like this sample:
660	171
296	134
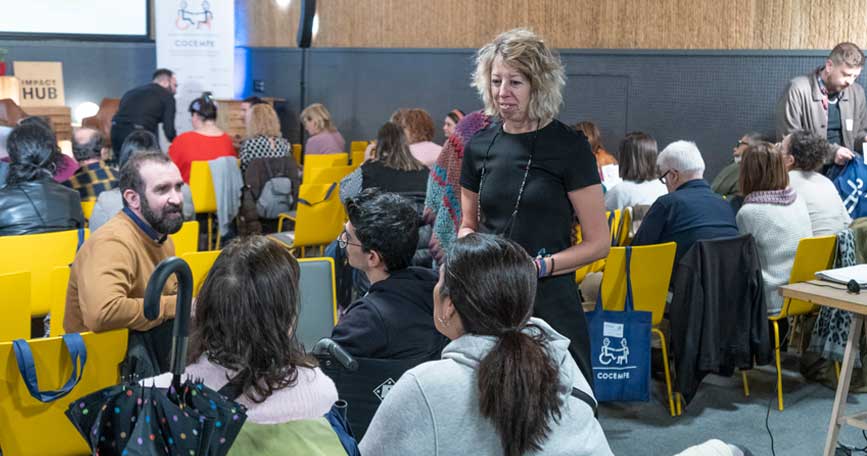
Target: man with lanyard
829	103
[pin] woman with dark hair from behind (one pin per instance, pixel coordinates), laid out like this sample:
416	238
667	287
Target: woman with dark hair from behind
640	185
389	165
110	202
774	214
64	165
31	201
246	315
804	154
205	142
504	385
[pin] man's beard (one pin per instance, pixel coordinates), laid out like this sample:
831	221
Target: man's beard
169	221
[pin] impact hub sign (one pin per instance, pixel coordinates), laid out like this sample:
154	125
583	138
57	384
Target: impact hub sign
41	83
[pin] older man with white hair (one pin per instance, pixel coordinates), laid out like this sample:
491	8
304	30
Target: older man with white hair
691	211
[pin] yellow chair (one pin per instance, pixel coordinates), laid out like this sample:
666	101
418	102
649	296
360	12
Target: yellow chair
296	152
318	220
15	289
59	286
814	254
29	427
187	239
615	226
325	160
327	175
204	197
358	145
39	254
623	231
200	263
87	207
357	157
651	272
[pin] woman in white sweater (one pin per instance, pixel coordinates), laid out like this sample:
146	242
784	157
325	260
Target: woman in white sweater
638	170
506	383
774	214
804	154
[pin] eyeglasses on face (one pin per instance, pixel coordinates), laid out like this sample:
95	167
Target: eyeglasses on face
664	177
343	240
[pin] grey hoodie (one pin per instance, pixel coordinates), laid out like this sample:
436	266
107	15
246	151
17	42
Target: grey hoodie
434	408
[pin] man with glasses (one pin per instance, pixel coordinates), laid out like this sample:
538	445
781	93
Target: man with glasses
726	182
394	320
829	103
691	211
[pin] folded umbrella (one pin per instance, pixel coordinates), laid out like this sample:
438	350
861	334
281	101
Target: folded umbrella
187	418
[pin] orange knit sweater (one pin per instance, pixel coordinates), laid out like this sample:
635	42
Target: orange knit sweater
109	277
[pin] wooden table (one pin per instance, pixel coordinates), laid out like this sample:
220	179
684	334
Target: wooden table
835	295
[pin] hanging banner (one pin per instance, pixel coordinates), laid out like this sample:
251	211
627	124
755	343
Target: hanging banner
196	40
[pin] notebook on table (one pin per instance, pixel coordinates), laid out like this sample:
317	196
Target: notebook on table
857	273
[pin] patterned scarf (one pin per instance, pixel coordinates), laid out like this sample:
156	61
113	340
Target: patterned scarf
783	197
443	202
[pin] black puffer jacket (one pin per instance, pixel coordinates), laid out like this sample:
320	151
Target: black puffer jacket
39	206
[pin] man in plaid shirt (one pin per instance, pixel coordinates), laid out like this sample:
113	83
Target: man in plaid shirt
94	176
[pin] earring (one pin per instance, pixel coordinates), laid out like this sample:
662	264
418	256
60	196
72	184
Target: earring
443	322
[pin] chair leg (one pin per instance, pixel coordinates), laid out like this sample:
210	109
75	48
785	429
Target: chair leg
210	231
837	369
217	247
779	368
678	402
746	383
665	368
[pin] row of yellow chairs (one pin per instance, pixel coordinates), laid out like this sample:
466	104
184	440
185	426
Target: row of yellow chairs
35	273
651	273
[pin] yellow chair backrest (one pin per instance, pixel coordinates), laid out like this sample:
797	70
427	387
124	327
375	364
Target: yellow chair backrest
296	152
326	175
202	188
325	161
39	254
200	263
357	157
87	207
29	427
650	271
187	239
59	287
624	228
358	145
319	222
814	254
15	290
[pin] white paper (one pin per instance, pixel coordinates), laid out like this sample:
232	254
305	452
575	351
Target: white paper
849	124
844	275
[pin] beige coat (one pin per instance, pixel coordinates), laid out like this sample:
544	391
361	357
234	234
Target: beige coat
800	107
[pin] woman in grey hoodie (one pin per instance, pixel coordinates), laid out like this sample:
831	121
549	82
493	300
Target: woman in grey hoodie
505	383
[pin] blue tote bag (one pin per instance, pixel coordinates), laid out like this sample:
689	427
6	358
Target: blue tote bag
850	181
620	349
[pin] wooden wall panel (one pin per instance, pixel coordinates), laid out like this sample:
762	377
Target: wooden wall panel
609	24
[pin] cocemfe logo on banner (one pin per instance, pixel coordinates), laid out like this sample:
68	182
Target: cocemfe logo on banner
196	40
188	17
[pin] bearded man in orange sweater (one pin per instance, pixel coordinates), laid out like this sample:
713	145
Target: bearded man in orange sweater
110	273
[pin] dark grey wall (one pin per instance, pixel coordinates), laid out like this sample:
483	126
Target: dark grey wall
710	97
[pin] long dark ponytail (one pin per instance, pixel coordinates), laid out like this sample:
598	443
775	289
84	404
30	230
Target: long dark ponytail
492	283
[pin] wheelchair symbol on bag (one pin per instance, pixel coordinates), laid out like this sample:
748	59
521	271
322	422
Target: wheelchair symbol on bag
619	355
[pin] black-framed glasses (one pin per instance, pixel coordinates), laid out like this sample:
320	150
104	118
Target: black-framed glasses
343	240
664	177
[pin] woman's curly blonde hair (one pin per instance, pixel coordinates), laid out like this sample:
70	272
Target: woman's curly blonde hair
524	51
